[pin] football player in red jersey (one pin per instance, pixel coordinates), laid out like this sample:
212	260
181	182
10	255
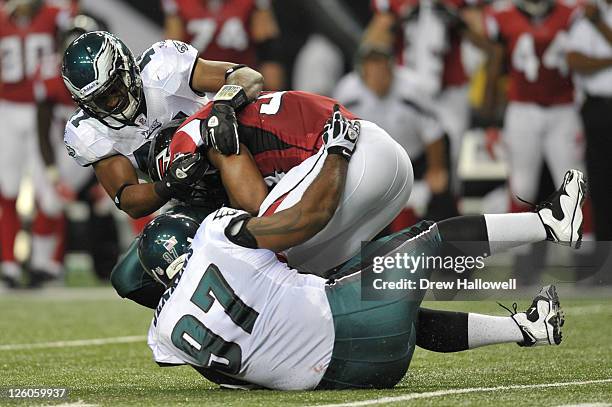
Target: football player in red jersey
243	31
540	122
28	30
281	131
427	36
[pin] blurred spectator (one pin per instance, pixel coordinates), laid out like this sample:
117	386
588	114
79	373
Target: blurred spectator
28	30
541	122
590	57
427	36
388	95
319	39
241	31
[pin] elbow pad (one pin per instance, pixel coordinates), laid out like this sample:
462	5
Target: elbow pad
238	233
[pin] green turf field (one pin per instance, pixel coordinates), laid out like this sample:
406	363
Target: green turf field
124	373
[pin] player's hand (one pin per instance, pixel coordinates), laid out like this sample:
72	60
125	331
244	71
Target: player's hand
182	176
340	135
221	129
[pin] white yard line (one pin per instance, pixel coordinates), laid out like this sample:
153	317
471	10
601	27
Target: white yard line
451	392
69	344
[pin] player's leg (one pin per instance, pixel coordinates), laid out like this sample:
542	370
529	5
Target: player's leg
17	129
562	147
447	331
559	220
48	225
131	281
523	129
375	340
378	185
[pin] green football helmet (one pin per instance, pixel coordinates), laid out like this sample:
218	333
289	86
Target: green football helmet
103	78
164	245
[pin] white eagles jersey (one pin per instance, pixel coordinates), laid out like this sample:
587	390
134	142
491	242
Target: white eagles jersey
166	70
244	314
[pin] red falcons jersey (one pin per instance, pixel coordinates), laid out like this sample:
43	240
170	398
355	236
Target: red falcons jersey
280	129
53	90
534	52
454	73
219	30
22	49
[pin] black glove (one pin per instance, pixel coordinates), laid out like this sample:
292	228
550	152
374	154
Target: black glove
340	135
221	129
182	176
208	194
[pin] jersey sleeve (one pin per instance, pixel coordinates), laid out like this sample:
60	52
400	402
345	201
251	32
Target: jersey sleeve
170	65
85	143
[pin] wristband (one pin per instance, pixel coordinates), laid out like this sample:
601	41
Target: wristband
162	190
234	69
117	199
233	95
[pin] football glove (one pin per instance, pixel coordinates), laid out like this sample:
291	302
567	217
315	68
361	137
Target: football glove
182	176
340	134
208	194
221	129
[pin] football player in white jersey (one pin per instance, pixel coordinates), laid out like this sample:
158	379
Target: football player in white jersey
240	316
124	102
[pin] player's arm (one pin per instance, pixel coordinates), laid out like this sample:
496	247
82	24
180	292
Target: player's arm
210	76
266	37
586	65
174	28
380	29
237	85
44	115
437	173
302	221
308	217
120	181
241	178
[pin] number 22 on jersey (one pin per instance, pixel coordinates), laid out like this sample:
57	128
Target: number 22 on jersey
195	339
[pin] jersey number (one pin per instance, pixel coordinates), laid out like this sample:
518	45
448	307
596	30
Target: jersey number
22	57
232	34
274	105
525	59
195	339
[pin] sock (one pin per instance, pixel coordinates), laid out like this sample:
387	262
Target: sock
509	230
442	331
10	269
489	330
43	250
8	228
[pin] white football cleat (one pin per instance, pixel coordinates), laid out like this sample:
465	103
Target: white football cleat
561	214
541	323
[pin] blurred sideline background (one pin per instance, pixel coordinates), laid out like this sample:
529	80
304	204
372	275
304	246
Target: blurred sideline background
478	92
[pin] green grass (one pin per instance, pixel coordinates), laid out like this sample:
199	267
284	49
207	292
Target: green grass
125	374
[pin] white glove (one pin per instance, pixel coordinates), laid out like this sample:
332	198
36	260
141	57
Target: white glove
340	135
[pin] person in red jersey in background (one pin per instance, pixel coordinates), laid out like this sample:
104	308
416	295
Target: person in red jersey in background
58	179
427	36
541	122
28	32
243	31
283	130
